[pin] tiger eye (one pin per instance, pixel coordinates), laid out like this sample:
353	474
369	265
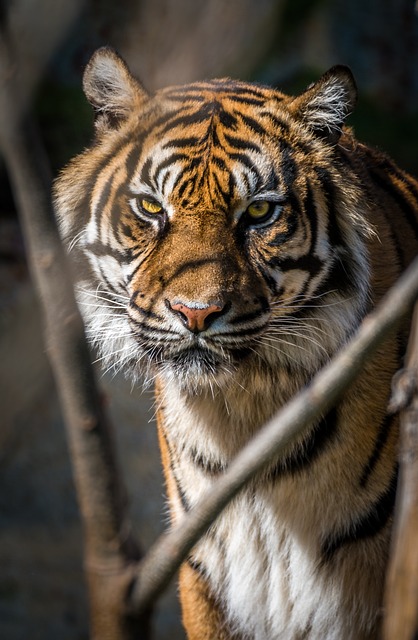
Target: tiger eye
258	209
150	206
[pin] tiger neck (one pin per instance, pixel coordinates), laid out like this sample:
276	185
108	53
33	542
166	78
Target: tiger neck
217	423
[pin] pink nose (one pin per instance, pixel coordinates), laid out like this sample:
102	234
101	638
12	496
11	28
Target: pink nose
196	319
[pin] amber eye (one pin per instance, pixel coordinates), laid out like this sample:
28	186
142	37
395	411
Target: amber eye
261	213
150	206
258	210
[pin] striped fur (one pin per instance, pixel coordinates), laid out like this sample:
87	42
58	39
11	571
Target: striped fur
229	239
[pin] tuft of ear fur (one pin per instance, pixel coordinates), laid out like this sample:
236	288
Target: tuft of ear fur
110	88
324	106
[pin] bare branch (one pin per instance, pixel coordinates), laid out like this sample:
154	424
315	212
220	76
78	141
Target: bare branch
169	551
401	621
110	552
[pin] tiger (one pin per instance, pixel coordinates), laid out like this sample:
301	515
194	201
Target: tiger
228	240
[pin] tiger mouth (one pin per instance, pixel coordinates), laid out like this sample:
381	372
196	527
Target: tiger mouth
196	358
200	362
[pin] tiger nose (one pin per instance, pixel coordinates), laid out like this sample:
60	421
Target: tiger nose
197	318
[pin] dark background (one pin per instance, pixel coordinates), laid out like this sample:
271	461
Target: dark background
288	43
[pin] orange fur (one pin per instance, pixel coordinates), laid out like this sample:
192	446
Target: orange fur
236	237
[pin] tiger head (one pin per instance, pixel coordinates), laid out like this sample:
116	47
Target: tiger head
220	224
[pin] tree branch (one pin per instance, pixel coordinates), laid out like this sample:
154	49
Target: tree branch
110	552
401	601
164	558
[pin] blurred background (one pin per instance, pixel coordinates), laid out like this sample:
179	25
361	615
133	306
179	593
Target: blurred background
287	43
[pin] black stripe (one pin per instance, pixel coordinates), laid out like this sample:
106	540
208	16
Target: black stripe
248	163
398	197
269	280
341	277
226	195
149	331
185	121
331	197
247	100
228	120
181	142
231	185
180	491
115	211
272	182
309	263
288	166
126	230
216	143
198	567
232	89
276	121
219	162
208	466
367	525
187	183
382	436
145	176
246	317
292	219
281	236
140	265
305	453
239	143
100	250
167	162
109	285
147	313
310	210
253	124
103	200
390	167
130	163
205	113
164	182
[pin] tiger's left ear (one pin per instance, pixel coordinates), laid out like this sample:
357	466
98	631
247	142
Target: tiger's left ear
111	89
324	106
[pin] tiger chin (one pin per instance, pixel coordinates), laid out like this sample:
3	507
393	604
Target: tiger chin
228	240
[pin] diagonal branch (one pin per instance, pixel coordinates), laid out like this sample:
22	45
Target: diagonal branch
171	549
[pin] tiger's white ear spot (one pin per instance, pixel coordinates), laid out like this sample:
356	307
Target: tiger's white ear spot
110	87
324	106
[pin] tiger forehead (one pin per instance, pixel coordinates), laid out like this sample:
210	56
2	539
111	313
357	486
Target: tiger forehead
232	104
211	144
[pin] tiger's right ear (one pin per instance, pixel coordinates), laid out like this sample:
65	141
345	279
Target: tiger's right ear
111	89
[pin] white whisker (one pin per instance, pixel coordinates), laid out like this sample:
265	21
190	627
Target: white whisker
75	240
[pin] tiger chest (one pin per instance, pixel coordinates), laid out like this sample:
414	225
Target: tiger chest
264	556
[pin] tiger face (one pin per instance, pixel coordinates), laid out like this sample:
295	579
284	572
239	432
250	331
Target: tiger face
208	247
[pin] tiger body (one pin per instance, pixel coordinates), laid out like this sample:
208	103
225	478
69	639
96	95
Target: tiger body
229	240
